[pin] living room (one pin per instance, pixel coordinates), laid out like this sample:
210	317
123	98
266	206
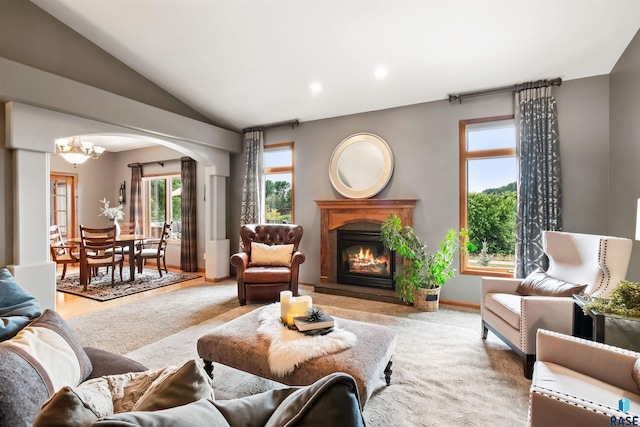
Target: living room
598	148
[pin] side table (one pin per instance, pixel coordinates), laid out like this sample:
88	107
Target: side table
588	326
622	331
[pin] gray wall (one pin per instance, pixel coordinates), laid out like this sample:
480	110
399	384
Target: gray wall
424	140
31	36
625	148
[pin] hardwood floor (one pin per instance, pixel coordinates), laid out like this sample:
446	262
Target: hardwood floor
69	306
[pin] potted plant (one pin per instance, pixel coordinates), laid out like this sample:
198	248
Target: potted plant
424	272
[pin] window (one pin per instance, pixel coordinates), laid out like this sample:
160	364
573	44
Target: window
278	183
162	203
488	195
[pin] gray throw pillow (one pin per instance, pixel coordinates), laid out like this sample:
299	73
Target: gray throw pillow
539	283
196	414
43	357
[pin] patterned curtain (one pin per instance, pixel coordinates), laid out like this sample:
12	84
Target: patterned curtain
539	187
251	211
189	243
135	199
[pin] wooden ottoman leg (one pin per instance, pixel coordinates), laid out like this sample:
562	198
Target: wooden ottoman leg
208	368
387	372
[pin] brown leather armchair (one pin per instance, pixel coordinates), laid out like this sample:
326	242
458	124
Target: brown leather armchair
260	280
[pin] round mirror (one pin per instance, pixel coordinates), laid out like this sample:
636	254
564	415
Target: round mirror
361	165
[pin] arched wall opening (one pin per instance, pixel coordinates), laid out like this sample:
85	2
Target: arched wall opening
31	134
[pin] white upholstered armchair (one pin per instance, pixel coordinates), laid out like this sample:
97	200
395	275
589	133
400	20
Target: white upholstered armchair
599	262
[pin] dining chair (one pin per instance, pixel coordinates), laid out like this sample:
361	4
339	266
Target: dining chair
97	246
61	252
126	228
155	249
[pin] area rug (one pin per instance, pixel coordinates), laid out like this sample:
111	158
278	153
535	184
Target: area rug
100	288
444	374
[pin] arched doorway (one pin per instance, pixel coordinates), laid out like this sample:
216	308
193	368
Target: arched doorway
31	146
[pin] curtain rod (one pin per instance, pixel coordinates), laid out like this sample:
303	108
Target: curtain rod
159	162
513	88
291	123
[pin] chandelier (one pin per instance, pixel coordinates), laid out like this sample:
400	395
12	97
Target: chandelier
75	151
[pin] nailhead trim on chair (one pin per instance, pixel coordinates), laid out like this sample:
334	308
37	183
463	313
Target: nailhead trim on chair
552	394
606	275
593	343
523	316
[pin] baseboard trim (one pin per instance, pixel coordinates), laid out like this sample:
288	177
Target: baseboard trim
460	303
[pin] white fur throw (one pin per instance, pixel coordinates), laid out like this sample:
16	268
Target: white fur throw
289	348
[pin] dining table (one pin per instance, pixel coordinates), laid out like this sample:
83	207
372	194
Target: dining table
123	240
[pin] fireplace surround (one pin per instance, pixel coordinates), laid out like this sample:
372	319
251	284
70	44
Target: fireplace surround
358	214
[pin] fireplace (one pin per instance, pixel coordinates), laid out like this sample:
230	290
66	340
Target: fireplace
363	260
357	215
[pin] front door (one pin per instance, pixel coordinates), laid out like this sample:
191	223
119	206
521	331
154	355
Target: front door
63	191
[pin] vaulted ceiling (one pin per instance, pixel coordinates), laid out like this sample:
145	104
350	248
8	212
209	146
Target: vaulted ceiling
252	62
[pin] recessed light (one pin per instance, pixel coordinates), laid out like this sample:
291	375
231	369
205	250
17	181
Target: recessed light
381	72
315	87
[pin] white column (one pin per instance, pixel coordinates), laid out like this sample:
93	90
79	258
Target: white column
32	267
217	245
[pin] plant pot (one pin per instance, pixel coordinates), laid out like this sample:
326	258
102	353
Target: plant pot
426	299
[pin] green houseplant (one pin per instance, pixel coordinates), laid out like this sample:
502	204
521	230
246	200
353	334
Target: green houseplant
624	300
423	269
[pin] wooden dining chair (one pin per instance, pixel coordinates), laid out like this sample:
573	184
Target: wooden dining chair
61	252
126	228
155	249
97	249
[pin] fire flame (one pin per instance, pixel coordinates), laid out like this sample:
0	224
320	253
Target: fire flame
366	256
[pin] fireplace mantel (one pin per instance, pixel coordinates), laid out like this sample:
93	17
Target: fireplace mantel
339	212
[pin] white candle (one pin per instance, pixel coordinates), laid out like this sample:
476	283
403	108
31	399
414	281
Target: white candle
285	304
300	305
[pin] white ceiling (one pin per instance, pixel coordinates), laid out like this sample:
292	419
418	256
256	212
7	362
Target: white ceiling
251	62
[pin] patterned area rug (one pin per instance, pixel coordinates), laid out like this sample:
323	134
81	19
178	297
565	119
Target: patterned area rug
100	288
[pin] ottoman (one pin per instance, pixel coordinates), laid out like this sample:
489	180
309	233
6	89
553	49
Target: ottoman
238	345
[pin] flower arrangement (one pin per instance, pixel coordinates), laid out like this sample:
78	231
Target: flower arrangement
113	213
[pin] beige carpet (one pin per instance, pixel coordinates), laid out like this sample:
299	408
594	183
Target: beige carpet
444	374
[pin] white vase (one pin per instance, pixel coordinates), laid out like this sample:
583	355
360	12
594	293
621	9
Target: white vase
115	222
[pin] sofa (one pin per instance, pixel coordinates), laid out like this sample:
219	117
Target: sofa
48	379
577	382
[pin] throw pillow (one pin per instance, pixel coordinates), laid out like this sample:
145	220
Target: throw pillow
50	348
539	283
196	414
17	306
636	373
135	391
271	255
176	387
76	406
